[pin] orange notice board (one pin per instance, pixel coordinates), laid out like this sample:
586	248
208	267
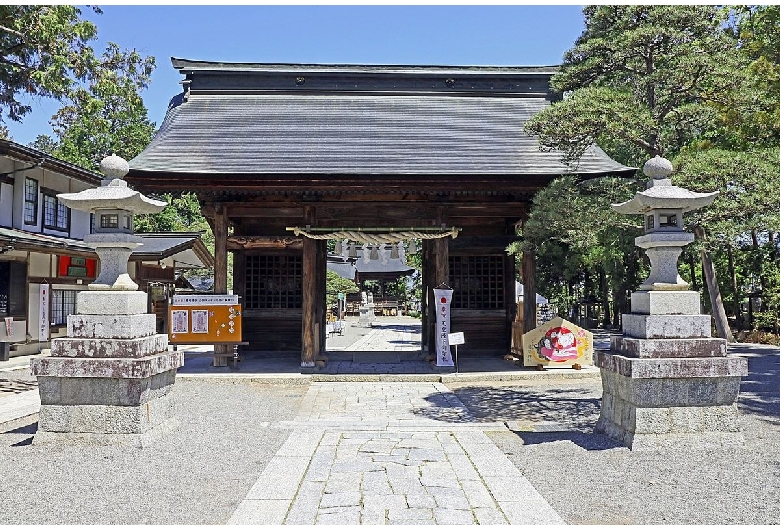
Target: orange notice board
204	319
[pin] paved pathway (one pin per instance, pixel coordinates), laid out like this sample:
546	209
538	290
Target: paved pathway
390	453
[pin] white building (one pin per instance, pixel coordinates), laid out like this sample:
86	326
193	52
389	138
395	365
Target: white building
43	260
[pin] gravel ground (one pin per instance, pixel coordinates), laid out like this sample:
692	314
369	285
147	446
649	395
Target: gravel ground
198	475
589	480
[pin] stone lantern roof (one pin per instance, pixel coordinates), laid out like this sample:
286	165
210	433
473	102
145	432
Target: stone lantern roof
113	194
661	194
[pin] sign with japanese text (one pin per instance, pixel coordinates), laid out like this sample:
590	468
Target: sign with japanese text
457	338
443	300
43	312
204	319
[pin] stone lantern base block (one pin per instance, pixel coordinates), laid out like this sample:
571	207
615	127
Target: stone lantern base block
654	403
91	438
667	326
666	302
107	348
111	326
659	348
102	410
111	302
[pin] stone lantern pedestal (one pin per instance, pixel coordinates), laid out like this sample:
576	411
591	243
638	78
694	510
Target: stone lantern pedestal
666	381
109	381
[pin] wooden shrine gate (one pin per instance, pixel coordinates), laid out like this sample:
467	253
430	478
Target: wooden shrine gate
271	146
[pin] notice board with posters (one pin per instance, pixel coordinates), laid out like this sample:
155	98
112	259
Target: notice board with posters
204	319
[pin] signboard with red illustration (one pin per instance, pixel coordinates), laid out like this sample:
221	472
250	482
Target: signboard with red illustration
558	343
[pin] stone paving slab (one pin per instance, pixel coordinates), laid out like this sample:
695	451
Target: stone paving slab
390	453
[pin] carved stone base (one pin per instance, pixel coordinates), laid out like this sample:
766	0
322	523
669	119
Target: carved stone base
654	403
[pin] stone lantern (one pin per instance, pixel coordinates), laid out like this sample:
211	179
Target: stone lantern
666	381
109	381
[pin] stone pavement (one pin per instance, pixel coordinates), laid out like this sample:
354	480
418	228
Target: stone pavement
390	453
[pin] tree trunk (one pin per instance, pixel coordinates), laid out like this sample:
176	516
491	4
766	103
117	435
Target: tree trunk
607	318
692	265
735	287
529	290
718	311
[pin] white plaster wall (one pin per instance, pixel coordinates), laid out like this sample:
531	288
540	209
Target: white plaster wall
79	224
41	266
6	205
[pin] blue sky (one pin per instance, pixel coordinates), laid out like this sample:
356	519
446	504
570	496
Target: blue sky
520	35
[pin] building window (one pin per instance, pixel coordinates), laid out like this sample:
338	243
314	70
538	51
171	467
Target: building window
30	201
55	214
478	282
109	221
63	303
274	282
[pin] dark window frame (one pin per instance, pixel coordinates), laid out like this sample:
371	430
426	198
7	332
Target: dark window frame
66	305
478	282
30	198
56	212
273	282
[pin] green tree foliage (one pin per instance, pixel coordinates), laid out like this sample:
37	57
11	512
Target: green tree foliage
44	52
106	116
335	284
640	75
697	84
580	244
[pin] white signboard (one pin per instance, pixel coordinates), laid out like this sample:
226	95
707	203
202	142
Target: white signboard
456	338
443	300
205	299
43	312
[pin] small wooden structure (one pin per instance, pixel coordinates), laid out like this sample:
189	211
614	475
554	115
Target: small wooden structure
271	146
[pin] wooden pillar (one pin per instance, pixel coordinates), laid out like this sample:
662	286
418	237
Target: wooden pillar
220	271
440	273
424	293
529	290
309	303
322	299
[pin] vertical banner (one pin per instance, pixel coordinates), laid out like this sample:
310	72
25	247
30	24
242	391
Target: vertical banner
43	313
443	354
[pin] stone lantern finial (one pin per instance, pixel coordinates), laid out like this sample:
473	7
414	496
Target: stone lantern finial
114	167
657	168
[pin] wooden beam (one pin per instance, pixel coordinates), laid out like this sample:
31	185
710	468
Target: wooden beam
264	242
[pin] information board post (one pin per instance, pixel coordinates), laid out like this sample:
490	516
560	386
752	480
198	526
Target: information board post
455	339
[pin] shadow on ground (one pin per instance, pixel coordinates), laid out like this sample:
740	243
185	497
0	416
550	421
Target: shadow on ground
540	414
759	392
